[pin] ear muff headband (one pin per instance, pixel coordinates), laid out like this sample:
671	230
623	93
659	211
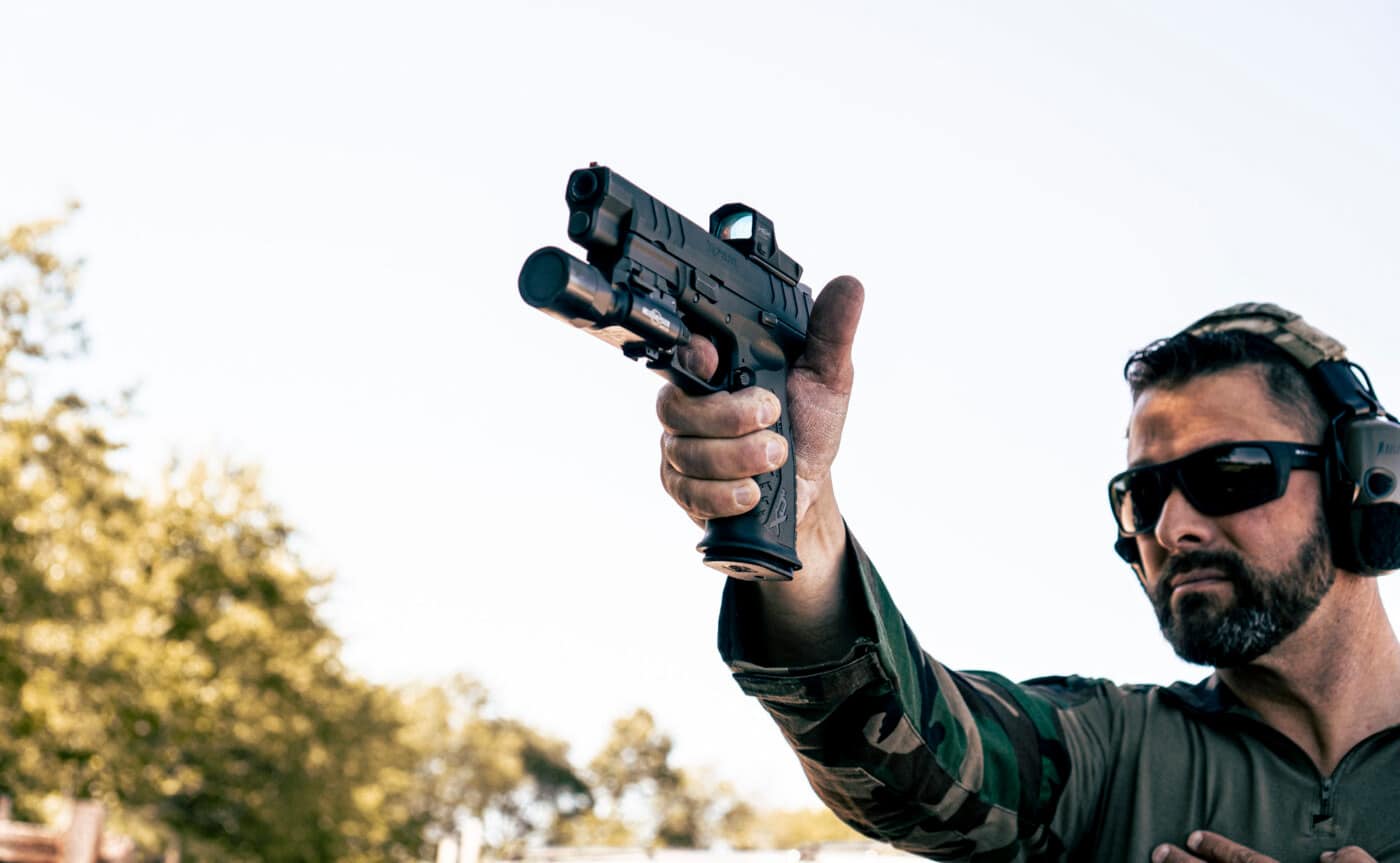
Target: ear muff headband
1305	343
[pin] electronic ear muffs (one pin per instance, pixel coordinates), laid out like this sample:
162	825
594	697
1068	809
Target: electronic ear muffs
1361	449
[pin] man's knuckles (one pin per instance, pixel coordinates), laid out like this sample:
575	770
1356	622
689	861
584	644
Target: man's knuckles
1214	848
724	458
1173	854
716	414
1349	854
706	499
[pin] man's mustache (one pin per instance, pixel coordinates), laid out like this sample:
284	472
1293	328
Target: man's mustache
1226	563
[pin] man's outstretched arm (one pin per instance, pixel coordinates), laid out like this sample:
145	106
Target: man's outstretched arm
902	749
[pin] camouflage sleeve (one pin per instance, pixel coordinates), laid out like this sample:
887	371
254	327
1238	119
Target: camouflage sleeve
943	764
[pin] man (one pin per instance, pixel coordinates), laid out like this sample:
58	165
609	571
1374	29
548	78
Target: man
1293	746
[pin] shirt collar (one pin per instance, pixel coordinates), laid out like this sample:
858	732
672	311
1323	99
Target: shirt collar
1211	697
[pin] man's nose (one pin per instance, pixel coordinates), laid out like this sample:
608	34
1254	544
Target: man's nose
1181	527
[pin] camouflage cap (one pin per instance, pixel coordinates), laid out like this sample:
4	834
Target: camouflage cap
1301	340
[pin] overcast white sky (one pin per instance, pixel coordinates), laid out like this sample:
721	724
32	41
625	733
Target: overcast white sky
304	221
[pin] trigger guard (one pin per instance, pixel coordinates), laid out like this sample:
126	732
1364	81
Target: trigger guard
665	361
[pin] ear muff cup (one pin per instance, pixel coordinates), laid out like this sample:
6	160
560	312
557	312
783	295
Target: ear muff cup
1364	500
1376	532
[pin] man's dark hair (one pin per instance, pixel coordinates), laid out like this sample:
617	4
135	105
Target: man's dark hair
1169	363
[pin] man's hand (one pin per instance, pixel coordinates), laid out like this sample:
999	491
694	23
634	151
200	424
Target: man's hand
1207	847
713	445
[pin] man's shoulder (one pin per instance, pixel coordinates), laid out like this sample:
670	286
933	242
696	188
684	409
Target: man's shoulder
1208	696
1075	685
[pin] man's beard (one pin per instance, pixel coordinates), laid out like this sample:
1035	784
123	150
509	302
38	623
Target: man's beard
1268	606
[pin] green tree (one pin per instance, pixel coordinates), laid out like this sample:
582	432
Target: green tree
643	799
61	507
517	781
163	653
785	828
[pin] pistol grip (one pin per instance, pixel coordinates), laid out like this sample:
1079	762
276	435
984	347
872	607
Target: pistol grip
761	544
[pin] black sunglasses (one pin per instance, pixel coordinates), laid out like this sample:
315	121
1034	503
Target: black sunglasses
1218	480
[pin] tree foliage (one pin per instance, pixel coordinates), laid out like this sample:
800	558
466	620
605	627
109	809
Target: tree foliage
518	782
642	798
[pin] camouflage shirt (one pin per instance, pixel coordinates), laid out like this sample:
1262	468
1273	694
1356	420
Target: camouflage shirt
970	766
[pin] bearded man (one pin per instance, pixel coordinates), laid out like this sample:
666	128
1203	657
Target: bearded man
1254	516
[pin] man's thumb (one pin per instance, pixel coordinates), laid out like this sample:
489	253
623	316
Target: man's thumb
831	330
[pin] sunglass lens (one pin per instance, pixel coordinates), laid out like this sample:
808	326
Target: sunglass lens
1139	496
1230	479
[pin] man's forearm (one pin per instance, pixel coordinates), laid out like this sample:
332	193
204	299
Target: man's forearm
938	763
810	619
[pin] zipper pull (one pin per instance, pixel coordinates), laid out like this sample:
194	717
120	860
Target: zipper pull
1322	821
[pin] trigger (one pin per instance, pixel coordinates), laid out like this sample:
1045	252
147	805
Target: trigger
666	362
